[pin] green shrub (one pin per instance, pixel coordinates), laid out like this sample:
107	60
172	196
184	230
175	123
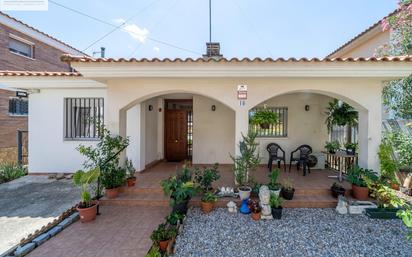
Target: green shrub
206	176
83	180
163	232
264	116
275	201
209	197
10	171
332	146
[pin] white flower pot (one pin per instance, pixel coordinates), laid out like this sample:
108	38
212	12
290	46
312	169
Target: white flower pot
244	192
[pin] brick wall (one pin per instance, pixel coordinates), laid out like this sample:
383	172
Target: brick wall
9	124
46	58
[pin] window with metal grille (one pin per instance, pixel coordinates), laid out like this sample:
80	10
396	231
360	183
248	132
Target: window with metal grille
83	118
280	129
18	106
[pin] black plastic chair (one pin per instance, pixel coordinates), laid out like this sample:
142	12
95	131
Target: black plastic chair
301	158
273	150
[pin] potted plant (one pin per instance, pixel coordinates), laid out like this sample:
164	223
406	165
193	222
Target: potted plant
339	113
112	179
356	176
351	148
264	118
276	206
179	192
106	156
131	178
86	208
207	202
388	203
273	185
247	161
287	190
206	176
255	209
174	218
337	189
162	235
332	146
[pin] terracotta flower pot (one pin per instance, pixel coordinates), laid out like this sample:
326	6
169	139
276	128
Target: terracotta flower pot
206	207
360	193
255	216
112	193
163	245
87	214
395	187
131	182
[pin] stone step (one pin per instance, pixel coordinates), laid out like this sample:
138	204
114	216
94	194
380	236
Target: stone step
141	190
136	200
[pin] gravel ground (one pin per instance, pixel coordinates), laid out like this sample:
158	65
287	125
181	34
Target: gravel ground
300	232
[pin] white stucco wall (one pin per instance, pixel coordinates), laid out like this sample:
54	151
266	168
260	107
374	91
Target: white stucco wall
213	131
133	133
48	151
367	47
151	132
304	127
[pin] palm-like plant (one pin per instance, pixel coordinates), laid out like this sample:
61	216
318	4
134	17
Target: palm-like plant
83	180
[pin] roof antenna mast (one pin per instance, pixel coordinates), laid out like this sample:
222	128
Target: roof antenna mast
210	21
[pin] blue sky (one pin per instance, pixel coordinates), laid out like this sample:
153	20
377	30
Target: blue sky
245	28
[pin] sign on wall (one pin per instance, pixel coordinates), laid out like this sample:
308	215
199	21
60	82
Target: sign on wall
242	94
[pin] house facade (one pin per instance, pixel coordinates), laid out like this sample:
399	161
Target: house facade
198	109
23	48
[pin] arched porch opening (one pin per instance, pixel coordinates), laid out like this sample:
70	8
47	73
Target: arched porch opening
177	126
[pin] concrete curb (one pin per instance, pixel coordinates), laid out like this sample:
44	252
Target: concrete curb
24	249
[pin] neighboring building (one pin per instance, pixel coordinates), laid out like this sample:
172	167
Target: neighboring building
23	48
189	108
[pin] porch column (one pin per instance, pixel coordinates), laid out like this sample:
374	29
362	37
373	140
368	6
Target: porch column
241	126
370	129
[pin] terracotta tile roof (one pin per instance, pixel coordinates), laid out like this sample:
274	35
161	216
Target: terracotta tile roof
377	24
41	32
87	59
8	73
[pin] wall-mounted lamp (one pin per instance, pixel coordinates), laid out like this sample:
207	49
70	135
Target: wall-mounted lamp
150	107
213	108
160	109
307	107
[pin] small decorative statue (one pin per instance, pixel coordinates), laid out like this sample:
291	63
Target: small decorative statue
342	207
264	197
231	207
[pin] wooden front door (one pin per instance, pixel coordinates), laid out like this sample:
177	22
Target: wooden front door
176	135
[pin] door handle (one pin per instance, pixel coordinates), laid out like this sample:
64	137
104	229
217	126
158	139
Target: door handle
176	141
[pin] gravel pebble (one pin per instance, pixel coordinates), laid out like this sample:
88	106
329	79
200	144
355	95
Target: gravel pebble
300	232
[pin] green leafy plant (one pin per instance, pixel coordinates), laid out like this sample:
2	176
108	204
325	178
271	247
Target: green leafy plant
175	217
185	173
273	178
247	161
10	171
275	201
341	114
406	216
177	190
352	146
112	174
206	176
209	197
388	165
154	252
130	170
357	176
264	116
163	233
332	146
83	179
402	144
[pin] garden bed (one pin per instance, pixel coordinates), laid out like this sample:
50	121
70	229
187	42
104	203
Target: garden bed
300	232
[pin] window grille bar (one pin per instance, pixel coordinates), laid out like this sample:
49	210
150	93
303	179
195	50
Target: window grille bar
78	114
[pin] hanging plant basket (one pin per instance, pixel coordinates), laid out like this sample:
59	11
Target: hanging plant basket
264	126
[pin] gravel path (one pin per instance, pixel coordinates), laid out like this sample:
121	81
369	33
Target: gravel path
301	232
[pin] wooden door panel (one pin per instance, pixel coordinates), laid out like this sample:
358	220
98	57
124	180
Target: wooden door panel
176	135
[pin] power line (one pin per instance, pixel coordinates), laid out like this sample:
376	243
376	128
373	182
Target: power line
118	26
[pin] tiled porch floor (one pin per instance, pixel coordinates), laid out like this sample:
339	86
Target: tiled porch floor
317	179
118	231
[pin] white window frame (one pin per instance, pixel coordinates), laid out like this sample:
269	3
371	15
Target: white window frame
24	41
